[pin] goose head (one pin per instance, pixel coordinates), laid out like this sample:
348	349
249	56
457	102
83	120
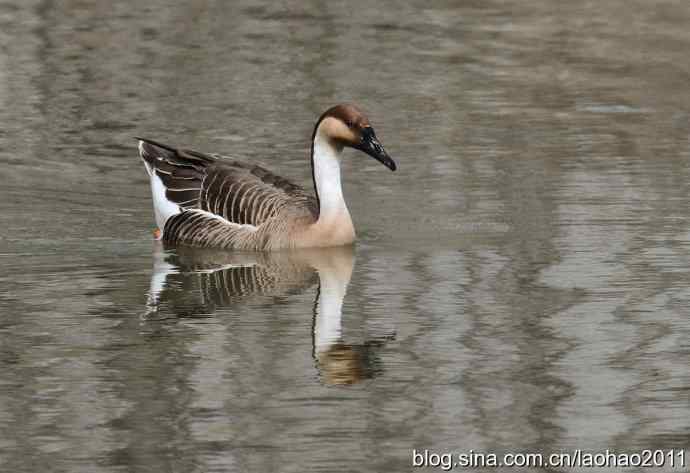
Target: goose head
345	125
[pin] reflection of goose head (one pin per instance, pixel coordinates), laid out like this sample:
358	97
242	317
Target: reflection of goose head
338	362
219	278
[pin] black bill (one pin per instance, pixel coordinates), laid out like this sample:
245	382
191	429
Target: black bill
370	145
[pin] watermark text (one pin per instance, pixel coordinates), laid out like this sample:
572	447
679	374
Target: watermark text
571	459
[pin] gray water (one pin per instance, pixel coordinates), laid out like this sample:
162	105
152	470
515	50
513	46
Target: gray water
520	284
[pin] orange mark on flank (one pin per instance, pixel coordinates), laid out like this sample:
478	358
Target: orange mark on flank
157	233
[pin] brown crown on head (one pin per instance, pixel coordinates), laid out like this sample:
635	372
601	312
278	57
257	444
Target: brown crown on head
348	114
343	122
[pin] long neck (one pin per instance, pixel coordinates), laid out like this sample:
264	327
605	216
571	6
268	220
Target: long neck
326	172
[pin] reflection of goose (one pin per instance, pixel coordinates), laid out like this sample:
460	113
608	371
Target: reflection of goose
207	201
192	281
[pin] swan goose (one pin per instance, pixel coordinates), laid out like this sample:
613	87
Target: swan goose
207	200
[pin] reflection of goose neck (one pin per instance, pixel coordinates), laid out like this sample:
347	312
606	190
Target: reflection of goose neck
334	272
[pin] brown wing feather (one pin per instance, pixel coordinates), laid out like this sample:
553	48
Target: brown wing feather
182	172
249	194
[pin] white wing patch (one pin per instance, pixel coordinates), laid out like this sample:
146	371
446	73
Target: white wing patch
162	207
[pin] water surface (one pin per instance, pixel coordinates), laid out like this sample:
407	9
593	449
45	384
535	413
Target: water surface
520	284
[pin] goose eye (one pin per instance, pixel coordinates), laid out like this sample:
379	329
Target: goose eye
350	124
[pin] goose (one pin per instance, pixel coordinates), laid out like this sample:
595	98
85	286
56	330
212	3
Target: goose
208	200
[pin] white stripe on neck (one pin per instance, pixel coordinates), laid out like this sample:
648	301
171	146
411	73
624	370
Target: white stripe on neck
327	177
